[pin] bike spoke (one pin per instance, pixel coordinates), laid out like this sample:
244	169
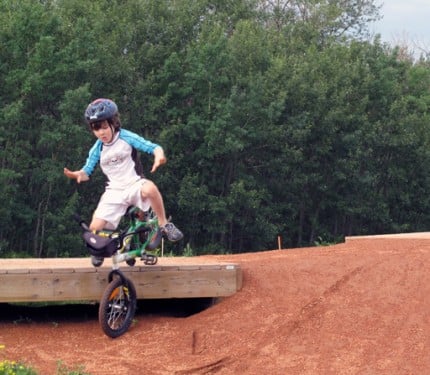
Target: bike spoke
118	307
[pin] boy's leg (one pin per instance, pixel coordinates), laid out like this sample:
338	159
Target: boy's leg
109	211
111	214
150	191
97	224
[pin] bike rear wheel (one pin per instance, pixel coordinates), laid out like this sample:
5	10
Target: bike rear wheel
117	306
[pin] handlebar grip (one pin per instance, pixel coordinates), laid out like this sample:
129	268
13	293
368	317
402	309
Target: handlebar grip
84	226
81	222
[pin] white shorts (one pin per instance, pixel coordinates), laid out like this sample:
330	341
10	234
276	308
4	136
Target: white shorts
113	203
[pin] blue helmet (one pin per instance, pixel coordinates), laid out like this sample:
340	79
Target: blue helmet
100	109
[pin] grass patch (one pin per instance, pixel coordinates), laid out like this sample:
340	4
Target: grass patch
17	368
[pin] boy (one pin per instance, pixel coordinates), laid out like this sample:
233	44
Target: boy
115	149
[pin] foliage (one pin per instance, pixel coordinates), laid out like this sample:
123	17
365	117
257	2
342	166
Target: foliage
8	367
279	118
18	368
64	370
15	368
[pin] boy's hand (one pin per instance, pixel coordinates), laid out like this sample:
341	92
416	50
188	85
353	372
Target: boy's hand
159	159
79	176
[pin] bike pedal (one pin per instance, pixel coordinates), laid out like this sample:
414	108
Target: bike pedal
149	259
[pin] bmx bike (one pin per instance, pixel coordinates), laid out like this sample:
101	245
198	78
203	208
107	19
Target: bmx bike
118	302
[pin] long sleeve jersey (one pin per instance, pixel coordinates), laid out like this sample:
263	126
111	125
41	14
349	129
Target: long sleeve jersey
116	158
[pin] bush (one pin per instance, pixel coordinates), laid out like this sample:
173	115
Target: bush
15	368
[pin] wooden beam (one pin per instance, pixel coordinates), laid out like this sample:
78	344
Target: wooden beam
74	279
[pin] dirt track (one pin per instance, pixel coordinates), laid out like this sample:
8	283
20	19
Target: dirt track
356	308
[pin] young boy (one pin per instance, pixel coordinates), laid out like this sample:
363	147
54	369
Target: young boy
115	149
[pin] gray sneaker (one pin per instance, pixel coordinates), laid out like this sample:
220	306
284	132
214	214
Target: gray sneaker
172	233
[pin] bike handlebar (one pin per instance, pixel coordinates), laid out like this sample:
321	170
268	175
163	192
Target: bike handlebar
81	222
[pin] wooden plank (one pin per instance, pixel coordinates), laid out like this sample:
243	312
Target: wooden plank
73	279
36	287
183	283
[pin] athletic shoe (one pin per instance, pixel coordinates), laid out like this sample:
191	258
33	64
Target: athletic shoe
172	233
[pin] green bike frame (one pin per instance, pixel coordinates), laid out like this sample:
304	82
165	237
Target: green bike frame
133	246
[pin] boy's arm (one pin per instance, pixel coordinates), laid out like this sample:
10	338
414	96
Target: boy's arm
144	145
138	142
79	176
92	160
159	158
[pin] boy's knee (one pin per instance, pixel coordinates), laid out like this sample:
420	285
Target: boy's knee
148	189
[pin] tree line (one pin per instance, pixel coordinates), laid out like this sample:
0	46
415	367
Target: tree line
278	118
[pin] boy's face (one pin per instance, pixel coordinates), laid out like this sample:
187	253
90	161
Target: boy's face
103	131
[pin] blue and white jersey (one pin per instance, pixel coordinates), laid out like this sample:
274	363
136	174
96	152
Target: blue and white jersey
116	159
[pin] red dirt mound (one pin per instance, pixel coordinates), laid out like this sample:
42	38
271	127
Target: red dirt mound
356	308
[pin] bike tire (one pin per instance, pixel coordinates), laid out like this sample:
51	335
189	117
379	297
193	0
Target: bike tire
117	307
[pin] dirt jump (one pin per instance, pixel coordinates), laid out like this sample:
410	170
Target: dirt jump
360	307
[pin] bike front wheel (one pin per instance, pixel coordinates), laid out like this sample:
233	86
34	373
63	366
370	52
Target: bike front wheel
117	307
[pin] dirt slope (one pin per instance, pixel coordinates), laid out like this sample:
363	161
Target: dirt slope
356	308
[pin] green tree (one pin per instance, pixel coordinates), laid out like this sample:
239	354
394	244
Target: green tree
277	117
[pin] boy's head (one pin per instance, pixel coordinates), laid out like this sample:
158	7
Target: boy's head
102	109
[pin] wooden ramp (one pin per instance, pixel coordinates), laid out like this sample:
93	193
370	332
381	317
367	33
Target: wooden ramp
75	279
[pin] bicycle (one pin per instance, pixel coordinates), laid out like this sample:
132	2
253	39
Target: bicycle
118	302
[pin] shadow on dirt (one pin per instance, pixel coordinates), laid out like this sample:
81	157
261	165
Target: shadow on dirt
78	312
